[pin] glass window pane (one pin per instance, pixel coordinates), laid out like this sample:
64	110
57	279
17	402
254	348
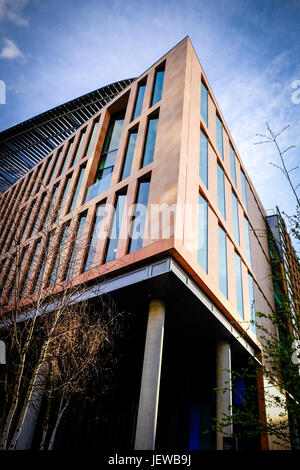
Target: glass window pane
247	235
202	232
77	189
112	244
150	141
92	137
129	155
223	262
63	196
219	136
56	273
252	303
113	133
138	225
232	165
203	167
77	248
79	149
235	216
139	101
244	192
94	238
204	103
239	285
158	86
221	192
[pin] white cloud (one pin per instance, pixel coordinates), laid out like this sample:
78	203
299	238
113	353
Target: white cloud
10	50
11	10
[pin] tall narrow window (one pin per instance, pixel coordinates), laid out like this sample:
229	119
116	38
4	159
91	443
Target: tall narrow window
158	86
244	192
150	141
223	285
76	251
77	189
66	158
112	244
239	285
63	164
252	303
232	165
203	165
129	155
221	192
247	235
219	129
51	209
202	232
139	101
57	161
204	103
79	148
45	169
235	216
55	271
138	224
92	137
107	158
31	267
94	237
63	196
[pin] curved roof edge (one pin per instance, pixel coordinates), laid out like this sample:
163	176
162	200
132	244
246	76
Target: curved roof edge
25	144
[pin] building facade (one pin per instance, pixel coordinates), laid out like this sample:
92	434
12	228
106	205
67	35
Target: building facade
171	225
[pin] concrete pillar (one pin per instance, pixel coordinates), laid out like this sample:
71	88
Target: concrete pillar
224	400
149	393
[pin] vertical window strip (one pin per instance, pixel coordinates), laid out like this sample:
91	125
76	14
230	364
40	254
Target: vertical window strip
94	238
57	265
244	191
203	165
77	189
67	155
219	130
76	251
63	196
247	235
45	169
221	191
57	161
158	86
223	282
92	137
235	217
202	233
112	244
138	224
139	101
204	103
31	266
232	165
150	141
129	155
239	285
252	303
80	146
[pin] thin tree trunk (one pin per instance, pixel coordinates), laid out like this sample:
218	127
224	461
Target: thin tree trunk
45	424
13	407
58	420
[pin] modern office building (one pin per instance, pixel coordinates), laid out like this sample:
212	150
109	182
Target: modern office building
192	268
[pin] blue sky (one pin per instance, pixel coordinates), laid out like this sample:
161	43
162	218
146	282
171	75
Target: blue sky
53	51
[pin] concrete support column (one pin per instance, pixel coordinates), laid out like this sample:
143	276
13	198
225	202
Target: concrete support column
224	400
149	394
